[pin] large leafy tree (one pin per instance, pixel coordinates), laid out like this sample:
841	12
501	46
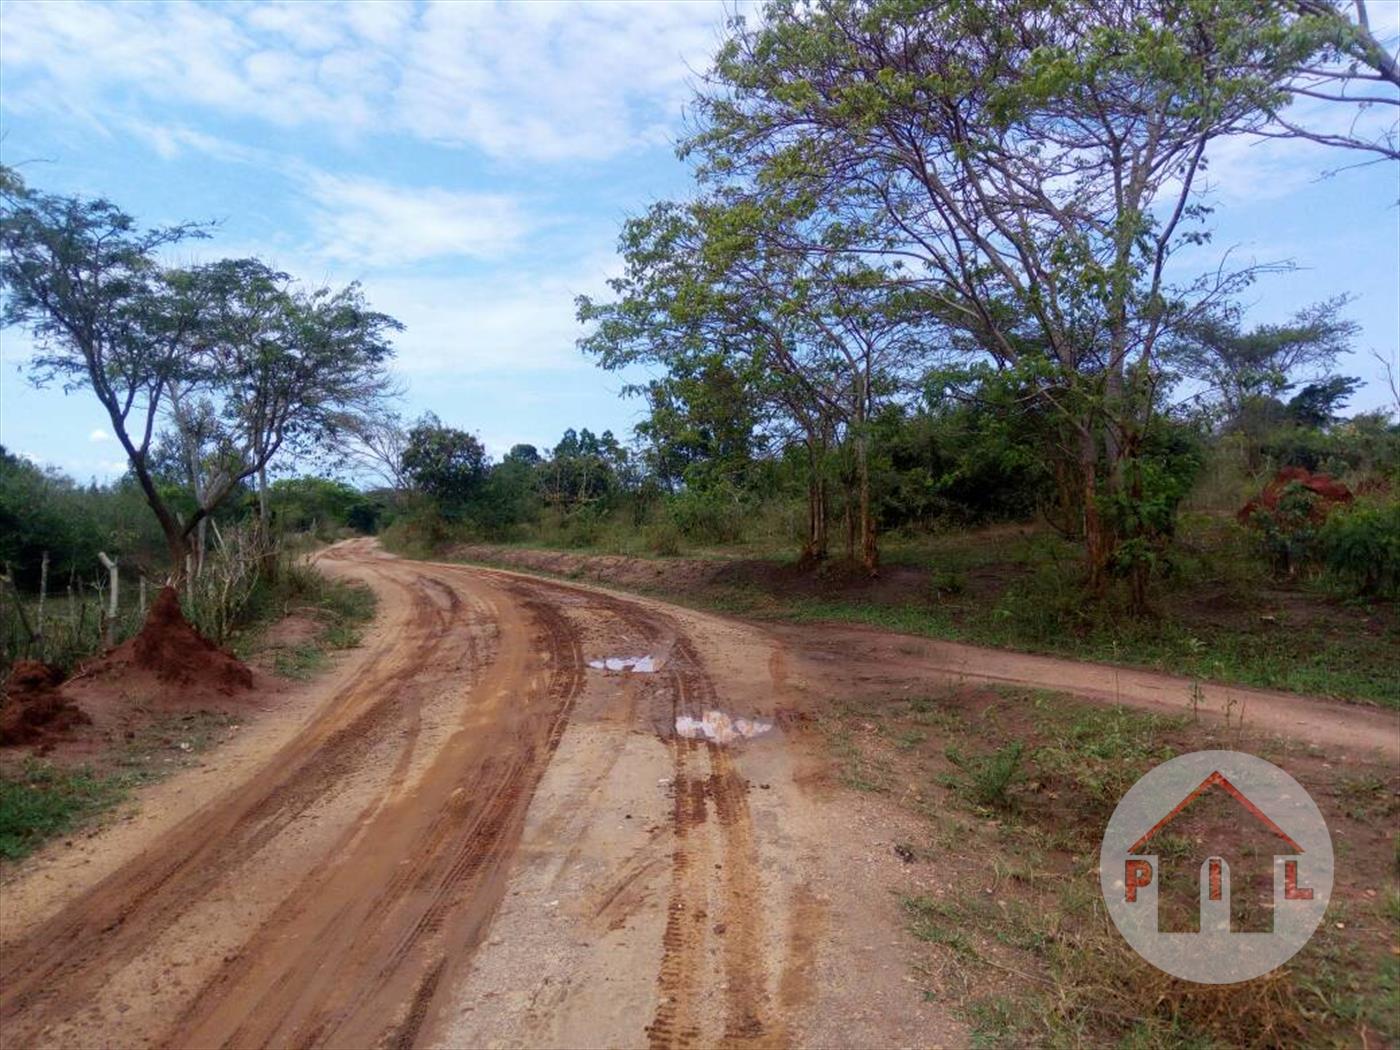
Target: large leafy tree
724	286
1031	167
85	279
448	464
243	364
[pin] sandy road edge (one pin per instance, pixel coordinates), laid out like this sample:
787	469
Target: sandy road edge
57	874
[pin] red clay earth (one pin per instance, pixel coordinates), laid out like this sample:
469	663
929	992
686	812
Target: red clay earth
1329	490
168	666
178	655
34	710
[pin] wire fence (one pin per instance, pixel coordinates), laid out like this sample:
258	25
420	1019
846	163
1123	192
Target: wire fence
65	625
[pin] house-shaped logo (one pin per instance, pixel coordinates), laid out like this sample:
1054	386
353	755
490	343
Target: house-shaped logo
1216	866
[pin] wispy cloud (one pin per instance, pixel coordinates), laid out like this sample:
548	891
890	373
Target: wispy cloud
510	323
366	221
528	82
99	435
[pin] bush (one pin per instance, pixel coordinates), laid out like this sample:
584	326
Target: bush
663	538
1361	547
714	515
1287	533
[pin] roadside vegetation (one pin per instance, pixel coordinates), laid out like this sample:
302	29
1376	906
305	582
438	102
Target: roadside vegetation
42	797
1011	789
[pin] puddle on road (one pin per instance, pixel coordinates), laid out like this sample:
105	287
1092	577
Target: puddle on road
720	728
635	664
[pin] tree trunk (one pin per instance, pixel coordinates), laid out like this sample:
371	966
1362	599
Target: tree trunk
869	553
815	549
1098	541
269	552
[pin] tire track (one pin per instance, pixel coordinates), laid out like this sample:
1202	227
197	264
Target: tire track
56	969
705	782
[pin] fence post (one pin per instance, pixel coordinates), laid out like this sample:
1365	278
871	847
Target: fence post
109	632
43	594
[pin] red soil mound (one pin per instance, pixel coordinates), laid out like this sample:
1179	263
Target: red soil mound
33	709
186	666
1329	490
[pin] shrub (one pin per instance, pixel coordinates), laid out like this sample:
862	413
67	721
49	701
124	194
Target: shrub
988	779
714	515
1286	533
663	538
1361	547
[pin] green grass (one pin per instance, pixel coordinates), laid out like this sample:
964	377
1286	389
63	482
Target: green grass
1218	616
41	800
1029	956
342	609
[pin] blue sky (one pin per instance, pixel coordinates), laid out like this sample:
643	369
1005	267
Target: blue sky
470	164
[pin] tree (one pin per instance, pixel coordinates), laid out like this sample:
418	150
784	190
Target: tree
1238	365
85	280
1318	404
374	441
701	425
1031	167
447	464
246	366
288	367
716	286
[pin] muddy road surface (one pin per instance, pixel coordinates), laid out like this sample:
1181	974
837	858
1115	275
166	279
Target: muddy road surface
472	837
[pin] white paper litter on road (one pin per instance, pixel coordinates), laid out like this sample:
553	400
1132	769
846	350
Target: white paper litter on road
720	727
635	664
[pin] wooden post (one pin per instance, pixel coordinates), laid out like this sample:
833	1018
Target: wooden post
109	632
141	601
43	594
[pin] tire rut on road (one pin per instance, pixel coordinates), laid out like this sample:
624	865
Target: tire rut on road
358	950
715	896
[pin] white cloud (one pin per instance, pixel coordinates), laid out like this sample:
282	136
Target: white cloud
99	435
368	222
528	81
506	323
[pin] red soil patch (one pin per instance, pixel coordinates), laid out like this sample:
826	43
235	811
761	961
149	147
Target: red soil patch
1329	490
181	664
34	710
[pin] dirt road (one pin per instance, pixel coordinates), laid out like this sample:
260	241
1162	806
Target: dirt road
475	838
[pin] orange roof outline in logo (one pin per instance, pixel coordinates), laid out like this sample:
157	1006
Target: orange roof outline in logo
1216	779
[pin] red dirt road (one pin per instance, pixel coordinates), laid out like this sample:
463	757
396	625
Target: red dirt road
473	838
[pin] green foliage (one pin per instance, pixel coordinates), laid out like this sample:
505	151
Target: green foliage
447	464
1286	533
321	505
709	516
41	800
1361	547
247	366
43	511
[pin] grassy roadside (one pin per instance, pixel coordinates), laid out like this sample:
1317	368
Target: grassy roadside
42	798
1219	622
1012	789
